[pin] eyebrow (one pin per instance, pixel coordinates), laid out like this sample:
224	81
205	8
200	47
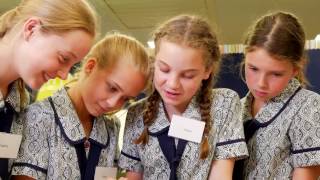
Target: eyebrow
69	53
72	54
185	70
118	87
276	71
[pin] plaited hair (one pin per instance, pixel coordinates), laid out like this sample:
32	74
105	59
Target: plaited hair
194	32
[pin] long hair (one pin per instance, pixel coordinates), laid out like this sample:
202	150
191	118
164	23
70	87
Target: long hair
282	36
196	33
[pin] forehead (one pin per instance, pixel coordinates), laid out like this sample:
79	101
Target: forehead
179	55
260	58
78	42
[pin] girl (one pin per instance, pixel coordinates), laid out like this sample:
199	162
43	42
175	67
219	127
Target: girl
67	135
35	46
281	117
186	60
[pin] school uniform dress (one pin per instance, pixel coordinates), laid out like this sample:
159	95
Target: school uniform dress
165	157
288	133
54	145
10	109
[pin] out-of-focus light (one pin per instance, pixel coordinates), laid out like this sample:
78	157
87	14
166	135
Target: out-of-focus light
151	44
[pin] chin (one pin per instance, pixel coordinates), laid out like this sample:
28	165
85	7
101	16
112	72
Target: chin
33	85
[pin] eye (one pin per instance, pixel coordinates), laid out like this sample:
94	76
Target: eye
63	59
188	76
164	70
253	68
277	74
111	88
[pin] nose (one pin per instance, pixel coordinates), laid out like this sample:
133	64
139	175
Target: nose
173	82
114	102
63	72
262	81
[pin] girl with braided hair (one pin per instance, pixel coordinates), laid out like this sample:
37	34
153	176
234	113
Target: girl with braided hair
186	62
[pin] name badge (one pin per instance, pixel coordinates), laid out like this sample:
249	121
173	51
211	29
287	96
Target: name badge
105	173
9	145
187	129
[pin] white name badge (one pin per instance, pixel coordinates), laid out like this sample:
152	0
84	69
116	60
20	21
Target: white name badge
105	173
9	145
187	129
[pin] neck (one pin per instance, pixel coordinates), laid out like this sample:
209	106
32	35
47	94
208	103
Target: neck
8	72
256	106
86	119
171	110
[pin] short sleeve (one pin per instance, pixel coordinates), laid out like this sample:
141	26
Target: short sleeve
231	141
304	134
32	159
129	157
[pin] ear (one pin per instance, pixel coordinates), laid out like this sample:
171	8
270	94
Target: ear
207	73
295	72
89	65
30	27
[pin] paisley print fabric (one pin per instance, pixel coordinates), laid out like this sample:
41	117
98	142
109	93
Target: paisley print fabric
289	141
48	149
226	140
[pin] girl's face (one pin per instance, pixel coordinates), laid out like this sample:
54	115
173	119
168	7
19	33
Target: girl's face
42	56
267	77
179	71
105	90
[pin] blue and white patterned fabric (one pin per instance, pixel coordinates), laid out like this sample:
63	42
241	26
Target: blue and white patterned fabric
53	144
290	140
226	140
10	108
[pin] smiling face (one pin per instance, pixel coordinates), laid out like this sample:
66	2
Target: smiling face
267	77
108	89
42	56
179	71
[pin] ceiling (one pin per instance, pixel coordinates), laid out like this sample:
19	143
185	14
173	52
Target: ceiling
230	18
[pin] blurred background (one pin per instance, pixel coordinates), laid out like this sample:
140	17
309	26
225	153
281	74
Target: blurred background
230	18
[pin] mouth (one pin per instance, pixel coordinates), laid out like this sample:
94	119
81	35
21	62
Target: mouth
171	94
47	77
260	93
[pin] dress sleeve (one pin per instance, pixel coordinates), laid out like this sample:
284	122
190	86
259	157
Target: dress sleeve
304	133
129	157
231	141
33	158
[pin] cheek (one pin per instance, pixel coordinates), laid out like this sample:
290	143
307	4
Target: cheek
249	78
191	87
159	78
279	85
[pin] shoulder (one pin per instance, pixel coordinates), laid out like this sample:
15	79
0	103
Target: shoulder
224	92
307	98
224	97
136	109
41	107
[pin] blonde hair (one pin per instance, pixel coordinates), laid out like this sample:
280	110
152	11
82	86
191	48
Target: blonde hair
116	45
57	16
194	32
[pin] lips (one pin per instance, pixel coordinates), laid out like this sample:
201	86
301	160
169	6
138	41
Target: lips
47	77
261	93
171	94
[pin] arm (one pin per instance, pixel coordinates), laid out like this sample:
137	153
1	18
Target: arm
222	169
134	175
306	173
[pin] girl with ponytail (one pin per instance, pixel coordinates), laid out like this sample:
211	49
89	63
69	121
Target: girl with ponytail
186	62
